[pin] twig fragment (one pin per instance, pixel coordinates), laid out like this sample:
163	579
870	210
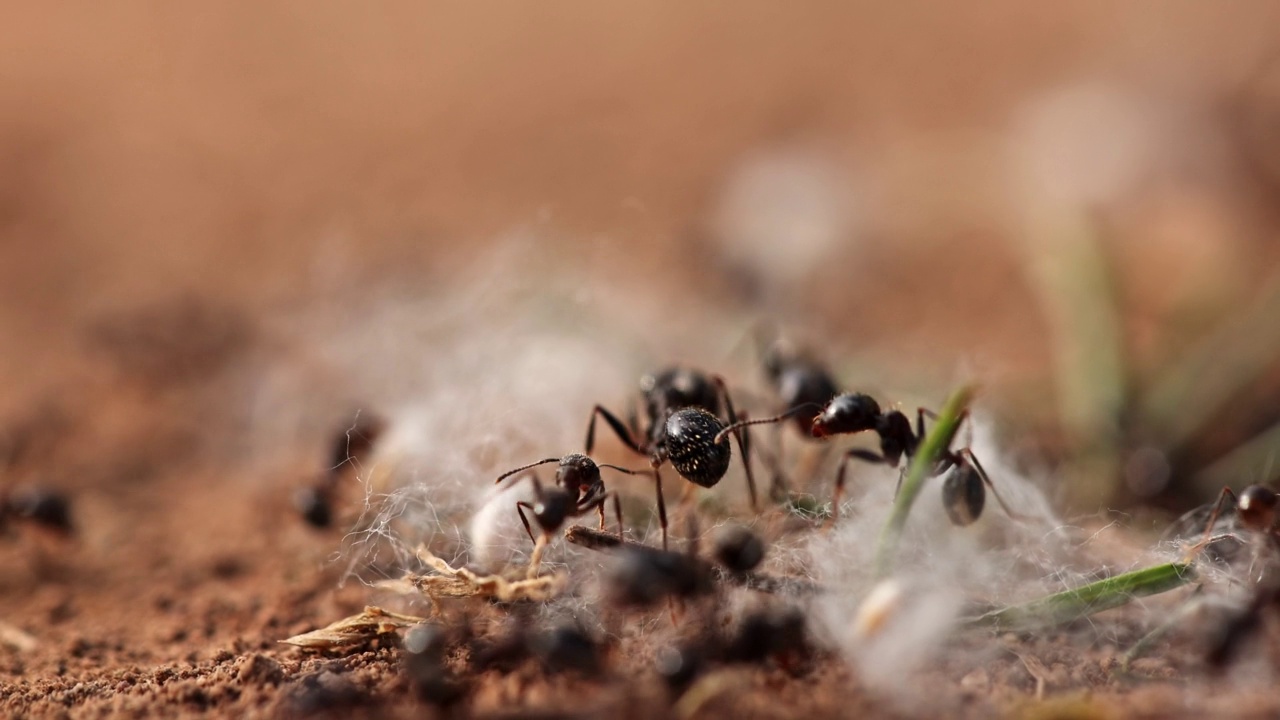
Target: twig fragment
366	626
452	582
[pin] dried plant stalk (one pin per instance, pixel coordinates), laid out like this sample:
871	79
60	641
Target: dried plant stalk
354	630
451	582
593	539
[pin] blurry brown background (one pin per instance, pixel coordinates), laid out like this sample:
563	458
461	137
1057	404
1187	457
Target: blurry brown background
262	155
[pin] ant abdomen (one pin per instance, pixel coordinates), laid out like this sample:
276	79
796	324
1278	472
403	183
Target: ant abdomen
692	448
963	495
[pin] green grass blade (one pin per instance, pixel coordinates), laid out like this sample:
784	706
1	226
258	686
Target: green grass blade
936	442
1088	599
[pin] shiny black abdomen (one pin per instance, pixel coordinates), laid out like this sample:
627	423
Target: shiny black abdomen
691	447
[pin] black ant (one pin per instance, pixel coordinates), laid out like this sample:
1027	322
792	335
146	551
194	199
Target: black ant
579	489
803	385
1255	506
426	667
39	506
683	427
963	494
315	501
1255	509
642	576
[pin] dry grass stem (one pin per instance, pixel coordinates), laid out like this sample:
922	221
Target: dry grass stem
354	630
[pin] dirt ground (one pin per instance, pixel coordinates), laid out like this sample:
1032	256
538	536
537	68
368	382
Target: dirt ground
190	200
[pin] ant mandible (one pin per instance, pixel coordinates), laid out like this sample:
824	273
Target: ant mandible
682	409
579	489
963	492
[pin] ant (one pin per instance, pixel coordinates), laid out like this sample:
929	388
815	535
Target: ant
39	506
963	492
579	489
315	501
1256	507
642	576
682	408
1255	510
803	385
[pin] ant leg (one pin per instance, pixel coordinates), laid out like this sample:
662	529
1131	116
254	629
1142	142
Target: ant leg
743	438
967	456
617	511
860	454
600	512
662	505
923	412
780	485
633	419
520	506
948	460
920	415
535	560
1217	510
618	428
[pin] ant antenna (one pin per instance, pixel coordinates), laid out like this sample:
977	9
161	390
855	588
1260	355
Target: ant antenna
762	421
619	469
509	473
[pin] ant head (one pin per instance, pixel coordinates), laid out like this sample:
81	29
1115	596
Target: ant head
1257	507
552	508
848	413
676	388
576	472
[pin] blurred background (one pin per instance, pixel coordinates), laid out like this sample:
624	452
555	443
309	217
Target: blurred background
1074	204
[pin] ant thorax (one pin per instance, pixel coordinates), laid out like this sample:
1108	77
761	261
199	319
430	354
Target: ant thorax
675	389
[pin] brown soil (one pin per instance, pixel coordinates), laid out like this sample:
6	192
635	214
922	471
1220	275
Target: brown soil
169	174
